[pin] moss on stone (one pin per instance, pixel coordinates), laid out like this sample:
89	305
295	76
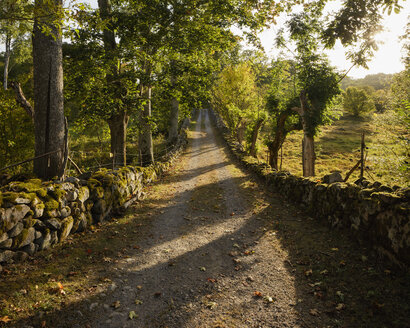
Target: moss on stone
29	222
66	227
82	194
57	192
40	206
93	183
51	204
31	186
10	196
98	192
18	240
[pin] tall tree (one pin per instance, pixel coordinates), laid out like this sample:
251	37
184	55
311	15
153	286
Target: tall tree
118	120
357	101
234	96
48	89
11	29
318	81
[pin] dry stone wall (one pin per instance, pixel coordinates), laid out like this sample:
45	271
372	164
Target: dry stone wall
372	212
35	214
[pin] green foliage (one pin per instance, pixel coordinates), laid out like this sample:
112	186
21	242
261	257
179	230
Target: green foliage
400	95
16	133
234	95
378	81
357	101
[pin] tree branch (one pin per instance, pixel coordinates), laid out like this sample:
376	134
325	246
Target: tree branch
21	99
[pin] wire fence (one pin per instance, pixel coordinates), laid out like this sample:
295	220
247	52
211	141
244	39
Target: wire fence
82	161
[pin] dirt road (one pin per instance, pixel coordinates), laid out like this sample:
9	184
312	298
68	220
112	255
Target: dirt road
218	250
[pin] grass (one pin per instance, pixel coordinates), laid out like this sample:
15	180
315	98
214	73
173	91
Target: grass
338	148
90	152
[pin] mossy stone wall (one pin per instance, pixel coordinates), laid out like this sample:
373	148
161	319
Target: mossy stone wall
377	214
35	214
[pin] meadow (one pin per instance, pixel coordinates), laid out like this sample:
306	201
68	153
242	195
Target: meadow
338	148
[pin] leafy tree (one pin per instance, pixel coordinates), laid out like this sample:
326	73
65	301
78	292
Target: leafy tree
12	31
15	144
234	96
48	89
357	101
282	97
318	83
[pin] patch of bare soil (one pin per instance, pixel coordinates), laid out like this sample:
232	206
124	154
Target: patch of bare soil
212	247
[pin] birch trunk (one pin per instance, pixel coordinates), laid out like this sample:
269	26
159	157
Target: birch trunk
6	61
145	138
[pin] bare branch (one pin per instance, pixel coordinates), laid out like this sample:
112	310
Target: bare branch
21	99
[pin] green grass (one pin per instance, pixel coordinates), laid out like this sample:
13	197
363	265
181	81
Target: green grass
338	148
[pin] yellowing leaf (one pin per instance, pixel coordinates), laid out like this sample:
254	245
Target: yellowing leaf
138	302
132	315
340	306
5	319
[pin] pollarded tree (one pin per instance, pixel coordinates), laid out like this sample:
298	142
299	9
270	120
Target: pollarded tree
281	98
318	83
357	101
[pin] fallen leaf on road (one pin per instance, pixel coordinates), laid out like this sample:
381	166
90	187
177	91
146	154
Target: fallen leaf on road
211	305
340	294
211	280
308	272
138	302
132	315
5	319
257	294
314	312
268	299
116	304
202	268
340	306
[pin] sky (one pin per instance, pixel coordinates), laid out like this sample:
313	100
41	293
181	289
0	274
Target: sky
386	60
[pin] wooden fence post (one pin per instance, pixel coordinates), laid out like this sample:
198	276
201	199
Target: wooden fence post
362	147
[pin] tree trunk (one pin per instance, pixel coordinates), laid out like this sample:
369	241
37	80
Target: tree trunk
308	144
6	61
280	136
48	93
118	129
145	138
240	131
255	133
118	121
308	156
173	121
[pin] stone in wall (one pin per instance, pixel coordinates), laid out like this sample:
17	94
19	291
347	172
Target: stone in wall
34	215
376	213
